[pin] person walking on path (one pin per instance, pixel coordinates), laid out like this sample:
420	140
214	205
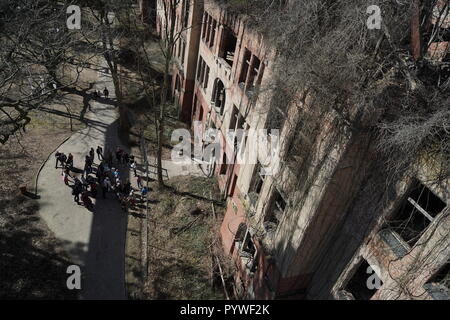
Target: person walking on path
69	162
116	173
100	153
57	155
77	189
131	200
91	154
87	169
87	165
106	93
133	166
106	169
66	174
107	184
144	192
61	158
139	182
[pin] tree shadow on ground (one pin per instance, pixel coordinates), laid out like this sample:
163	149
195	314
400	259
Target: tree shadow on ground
32	263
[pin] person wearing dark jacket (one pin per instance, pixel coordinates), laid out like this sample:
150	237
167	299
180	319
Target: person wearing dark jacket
69	162
100	153
77	189
57	155
62	158
91	154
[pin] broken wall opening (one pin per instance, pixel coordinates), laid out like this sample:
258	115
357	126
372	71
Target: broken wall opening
416	212
275	213
228	46
358	286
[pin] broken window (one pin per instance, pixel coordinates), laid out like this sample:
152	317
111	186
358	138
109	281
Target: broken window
218	98
213	33
200	117
204	25
183	50
415	214
239	135
251	72
223	167
194	110
199	68
233	185
206	79
233	118
359	285
248	246
228	46
209	30
202	73
245	68
248	252
254	71
185	13
275	213
256	185
442	277
240	233
177	84
438	286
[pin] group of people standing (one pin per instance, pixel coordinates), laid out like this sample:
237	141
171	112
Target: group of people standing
98	93
103	176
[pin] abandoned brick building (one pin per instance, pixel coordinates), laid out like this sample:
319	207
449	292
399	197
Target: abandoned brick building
316	240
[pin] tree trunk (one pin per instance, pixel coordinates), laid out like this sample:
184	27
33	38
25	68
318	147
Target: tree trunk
160	121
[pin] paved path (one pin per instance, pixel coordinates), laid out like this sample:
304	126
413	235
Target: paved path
94	239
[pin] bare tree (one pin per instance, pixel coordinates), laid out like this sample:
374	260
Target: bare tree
158	94
37	49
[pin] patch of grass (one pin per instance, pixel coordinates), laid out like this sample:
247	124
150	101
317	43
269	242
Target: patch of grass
180	236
